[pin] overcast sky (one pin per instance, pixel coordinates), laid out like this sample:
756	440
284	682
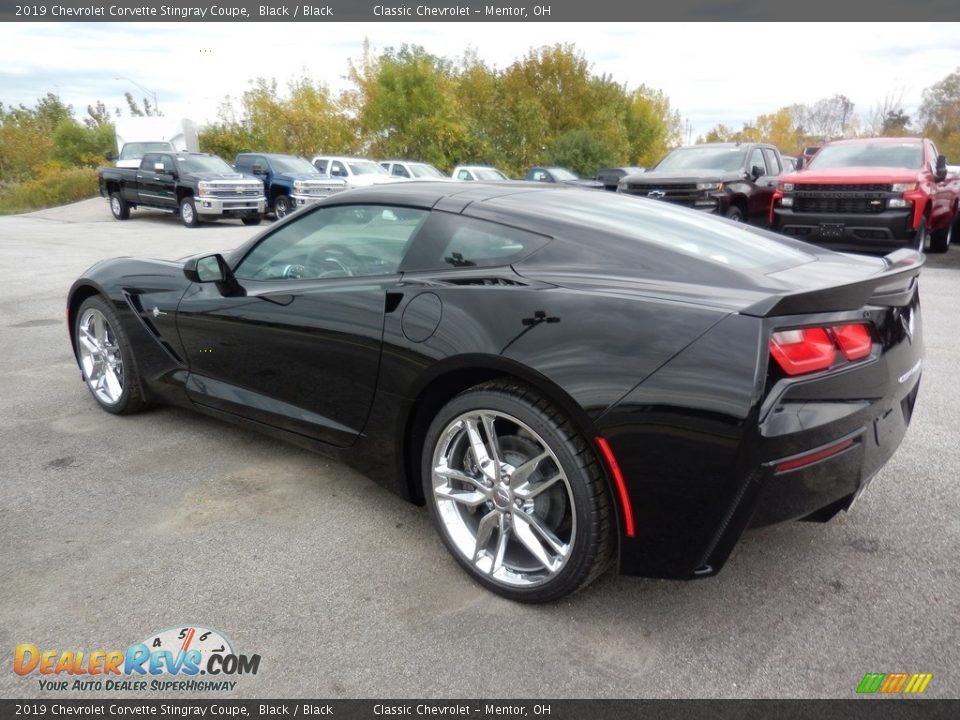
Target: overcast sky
712	72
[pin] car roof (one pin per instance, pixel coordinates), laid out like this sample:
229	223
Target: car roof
877	140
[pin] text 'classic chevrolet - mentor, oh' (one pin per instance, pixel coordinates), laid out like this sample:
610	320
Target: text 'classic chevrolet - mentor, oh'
566	379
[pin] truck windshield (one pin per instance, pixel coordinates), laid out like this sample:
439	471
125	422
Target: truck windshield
898	155
365	167
135	150
725	159
291	164
563	174
425	171
204	164
489	174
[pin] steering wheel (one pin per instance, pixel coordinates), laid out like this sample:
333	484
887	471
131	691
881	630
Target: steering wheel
340	255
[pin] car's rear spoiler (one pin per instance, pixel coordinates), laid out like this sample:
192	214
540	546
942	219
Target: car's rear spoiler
892	287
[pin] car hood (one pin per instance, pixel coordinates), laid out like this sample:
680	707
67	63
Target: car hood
652	177
851	174
368	180
311	177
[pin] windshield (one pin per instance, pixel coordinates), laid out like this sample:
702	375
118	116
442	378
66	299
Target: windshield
725	159
425	171
563	174
204	164
898	155
489	174
365	167
133	151
291	164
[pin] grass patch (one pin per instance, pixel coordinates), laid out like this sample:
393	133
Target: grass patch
53	186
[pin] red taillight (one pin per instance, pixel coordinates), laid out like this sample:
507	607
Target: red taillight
807	350
854	341
802	351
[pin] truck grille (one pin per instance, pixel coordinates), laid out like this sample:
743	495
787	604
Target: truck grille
860	199
679	193
322	190
233	192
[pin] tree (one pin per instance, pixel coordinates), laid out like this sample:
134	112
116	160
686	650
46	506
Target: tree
940	114
148	110
77	146
581	151
829	118
98	115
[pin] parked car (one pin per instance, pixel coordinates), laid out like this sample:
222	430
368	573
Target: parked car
610	177
566	379
477	173
357	172
871	195
289	182
789	162
197	186
561	176
732	180
411	170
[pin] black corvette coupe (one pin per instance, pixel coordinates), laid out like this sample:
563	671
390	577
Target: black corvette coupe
566	379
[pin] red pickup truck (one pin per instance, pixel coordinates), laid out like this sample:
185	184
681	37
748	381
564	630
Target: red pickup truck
870	195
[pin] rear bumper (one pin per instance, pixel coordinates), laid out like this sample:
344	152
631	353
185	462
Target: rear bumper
881	232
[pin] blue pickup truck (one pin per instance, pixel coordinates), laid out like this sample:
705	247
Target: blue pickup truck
289	182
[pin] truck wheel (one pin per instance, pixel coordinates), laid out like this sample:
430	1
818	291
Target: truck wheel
188	213
251	220
940	240
281	207
733	213
119	207
923	232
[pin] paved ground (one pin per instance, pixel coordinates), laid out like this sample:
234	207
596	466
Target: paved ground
114	528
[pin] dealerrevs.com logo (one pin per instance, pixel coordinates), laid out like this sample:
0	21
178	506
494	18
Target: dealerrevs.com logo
170	660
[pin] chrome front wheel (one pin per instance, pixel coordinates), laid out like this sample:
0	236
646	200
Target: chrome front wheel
105	358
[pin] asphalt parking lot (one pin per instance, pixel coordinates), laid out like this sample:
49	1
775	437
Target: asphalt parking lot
113	528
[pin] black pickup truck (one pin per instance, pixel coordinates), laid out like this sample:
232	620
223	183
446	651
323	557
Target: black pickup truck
196	186
289	182
733	180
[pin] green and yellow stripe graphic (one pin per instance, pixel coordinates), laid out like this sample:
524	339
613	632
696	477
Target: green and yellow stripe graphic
894	683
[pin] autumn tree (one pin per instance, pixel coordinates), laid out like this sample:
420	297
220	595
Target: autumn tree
940	114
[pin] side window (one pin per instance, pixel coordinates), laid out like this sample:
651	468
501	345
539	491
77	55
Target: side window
464	175
168	165
244	164
337	169
149	160
773	165
756	159
455	241
399	171
321	165
261	164
335	242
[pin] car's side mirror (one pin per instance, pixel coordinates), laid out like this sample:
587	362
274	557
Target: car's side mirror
108	155
941	172
207	269
756	171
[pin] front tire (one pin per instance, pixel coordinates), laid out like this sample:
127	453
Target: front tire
940	240
106	358
517	493
188	212
734	213
251	220
119	207
281	207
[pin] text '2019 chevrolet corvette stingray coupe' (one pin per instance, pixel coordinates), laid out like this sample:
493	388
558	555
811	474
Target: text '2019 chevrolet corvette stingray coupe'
566	379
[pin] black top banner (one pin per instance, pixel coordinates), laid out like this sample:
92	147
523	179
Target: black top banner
855	11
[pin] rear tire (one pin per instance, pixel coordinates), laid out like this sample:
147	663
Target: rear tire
251	220
119	207
106	358
188	212
529	515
